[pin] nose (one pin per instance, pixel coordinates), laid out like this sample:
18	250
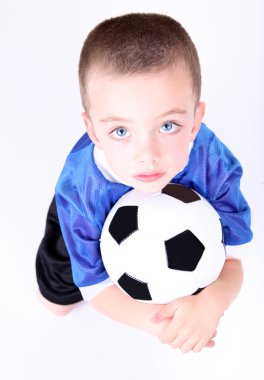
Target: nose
147	151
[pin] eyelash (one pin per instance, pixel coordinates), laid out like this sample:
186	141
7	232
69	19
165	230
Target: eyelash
116	136
175	130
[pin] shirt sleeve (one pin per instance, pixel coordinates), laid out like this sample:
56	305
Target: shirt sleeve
82	240
239	252
224	193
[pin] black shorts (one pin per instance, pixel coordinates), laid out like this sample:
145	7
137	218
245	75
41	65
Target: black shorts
53	267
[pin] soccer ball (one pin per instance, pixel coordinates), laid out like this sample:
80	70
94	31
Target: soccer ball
160	246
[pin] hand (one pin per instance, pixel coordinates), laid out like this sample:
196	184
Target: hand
193	323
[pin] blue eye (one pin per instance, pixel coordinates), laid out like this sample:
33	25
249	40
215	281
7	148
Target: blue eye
169	127
120	132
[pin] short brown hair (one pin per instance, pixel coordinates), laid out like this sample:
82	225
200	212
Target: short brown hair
138	43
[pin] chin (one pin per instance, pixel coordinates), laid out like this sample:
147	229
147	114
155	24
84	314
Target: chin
149	187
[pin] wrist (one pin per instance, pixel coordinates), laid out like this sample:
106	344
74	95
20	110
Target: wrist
221	293
214	299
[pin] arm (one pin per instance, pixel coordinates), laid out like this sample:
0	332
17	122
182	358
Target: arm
195	318
225	289
115	304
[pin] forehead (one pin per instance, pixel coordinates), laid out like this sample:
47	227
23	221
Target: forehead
171	87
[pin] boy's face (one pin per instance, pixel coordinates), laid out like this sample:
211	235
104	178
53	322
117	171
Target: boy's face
144	123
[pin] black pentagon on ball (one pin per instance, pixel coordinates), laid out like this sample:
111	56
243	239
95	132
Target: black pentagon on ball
124	223
184	251
180	192
135	288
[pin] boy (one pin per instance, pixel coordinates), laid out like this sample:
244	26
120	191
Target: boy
140	86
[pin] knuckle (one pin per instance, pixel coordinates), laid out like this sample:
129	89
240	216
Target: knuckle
163	339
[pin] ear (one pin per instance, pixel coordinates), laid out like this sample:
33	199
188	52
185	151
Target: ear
198	118
90	129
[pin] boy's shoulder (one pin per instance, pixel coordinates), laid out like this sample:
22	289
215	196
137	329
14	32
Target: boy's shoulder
211	148
79	161
210	164
80	166
82	143
205	136
83	184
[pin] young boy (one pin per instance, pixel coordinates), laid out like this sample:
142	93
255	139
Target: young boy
140	86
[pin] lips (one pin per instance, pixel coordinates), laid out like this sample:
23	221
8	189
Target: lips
148	177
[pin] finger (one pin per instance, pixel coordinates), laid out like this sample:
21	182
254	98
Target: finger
179	341
169	334
166	311
187	346
210	344
159	316
214	335
198	347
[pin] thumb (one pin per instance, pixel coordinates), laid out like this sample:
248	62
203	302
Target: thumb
165	311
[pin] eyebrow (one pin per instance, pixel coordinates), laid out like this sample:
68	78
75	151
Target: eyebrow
121	119
113	118
174	111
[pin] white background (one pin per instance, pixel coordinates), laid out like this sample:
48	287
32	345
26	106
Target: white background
40	108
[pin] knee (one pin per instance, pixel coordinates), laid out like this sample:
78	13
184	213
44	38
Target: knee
58	310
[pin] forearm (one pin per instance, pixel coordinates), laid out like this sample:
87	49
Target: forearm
118	306
218	296
226	288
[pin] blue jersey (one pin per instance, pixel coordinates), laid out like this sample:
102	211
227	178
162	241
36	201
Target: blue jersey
84	197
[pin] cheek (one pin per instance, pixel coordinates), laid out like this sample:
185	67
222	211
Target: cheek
116	158
179	154
178	148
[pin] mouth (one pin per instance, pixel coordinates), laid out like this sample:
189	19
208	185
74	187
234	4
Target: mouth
149	177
